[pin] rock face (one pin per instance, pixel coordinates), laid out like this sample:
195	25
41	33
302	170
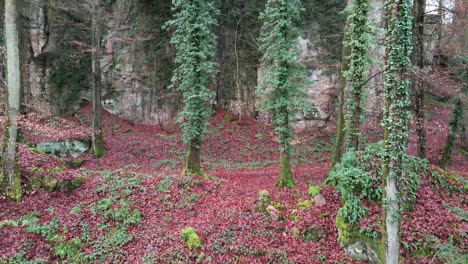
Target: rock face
138	57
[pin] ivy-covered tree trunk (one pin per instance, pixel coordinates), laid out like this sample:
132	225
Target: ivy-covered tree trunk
98	147
396	115
358	43
10	181
418	85
195	44
455	126
282	86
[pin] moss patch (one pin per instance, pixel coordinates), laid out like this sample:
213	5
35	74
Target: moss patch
191	239
49	184
314	191
304	205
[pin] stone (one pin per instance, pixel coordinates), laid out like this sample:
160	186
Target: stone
49	183
319	200
69	186
72	148
273	212
361	251
263	195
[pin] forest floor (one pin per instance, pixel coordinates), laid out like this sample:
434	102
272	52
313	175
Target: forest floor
134	203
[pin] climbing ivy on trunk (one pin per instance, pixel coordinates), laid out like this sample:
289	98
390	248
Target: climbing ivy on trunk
358	43
398	66
282	86
195	44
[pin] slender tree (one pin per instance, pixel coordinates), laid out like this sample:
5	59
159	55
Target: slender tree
398	66
284	74
455	127
358	44
418	85
340	129
10	180
98	147
195	44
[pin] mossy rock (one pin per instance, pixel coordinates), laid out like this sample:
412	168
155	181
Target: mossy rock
73	164
191	239
69	186
304	204
37	151
34	183
346	232
296	233
49	183
230	118
314	191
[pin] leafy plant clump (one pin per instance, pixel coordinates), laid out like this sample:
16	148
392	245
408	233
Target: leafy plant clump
358	178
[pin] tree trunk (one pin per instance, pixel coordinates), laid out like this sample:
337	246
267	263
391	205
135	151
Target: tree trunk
392	219
340	131
286	179
418	85
398	68
193	162
10	180
455	126
98	147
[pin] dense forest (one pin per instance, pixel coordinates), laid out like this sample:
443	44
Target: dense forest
248	131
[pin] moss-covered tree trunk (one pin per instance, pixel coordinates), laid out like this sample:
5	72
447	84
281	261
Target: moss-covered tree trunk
286	178
418	85
10	181
455	126
193	162
98	147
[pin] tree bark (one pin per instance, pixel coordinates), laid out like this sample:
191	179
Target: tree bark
418	85
340	131
455	126
286	179
398	68
10	180
98	147
193	162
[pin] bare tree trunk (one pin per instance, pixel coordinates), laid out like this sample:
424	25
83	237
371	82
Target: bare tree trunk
392	219
10	180
455	126
340	129
418	85
98	147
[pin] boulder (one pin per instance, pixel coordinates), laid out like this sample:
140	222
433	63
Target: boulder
71	148
319	200
362	251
